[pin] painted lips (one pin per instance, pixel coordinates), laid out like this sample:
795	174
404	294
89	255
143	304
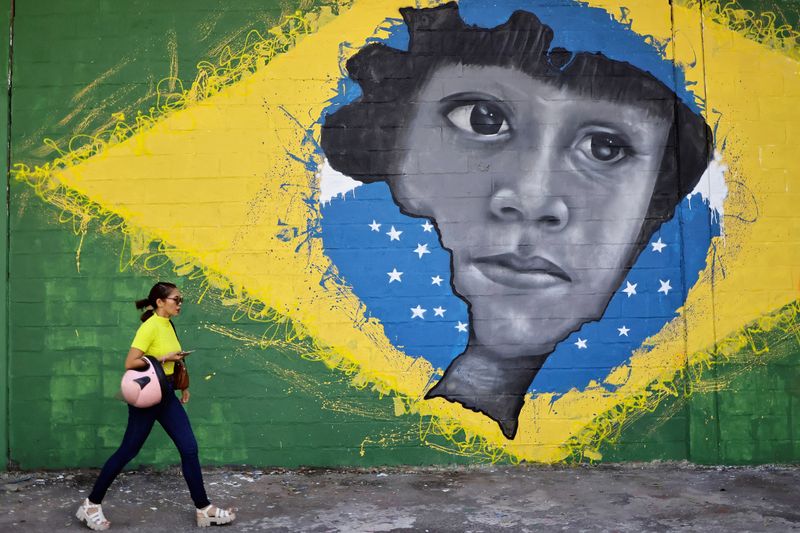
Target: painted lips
520	272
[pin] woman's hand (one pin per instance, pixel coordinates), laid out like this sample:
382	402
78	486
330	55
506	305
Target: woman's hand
185	396
172	356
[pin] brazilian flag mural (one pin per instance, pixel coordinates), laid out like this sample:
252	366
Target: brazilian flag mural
412	232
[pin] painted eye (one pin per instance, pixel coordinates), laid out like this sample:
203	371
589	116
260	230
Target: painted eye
605	147
486	119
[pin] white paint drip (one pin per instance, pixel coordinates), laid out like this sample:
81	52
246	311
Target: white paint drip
333	183
713	189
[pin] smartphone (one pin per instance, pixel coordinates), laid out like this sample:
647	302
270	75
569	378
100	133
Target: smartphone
185	352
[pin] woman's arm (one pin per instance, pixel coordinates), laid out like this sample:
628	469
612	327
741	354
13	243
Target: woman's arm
135	358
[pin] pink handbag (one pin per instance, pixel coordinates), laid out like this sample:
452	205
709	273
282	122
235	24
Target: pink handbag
145	388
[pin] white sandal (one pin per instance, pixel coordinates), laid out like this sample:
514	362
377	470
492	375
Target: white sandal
92	515
220	516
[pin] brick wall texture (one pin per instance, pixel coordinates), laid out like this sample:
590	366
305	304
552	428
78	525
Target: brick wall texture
209	143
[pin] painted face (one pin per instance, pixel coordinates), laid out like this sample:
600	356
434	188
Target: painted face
538	192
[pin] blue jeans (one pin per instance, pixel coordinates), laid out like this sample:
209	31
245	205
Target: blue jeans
170	414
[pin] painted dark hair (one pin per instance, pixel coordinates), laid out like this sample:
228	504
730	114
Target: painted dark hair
366	139
160	290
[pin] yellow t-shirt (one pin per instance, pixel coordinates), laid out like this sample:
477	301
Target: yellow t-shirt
157	338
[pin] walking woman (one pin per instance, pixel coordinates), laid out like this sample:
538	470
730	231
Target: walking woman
156	337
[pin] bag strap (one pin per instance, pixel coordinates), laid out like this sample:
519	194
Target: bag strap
162	377
178	364
175	330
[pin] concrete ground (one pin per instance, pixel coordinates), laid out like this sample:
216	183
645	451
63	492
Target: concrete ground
651	497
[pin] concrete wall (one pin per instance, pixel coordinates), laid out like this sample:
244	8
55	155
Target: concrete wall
334	259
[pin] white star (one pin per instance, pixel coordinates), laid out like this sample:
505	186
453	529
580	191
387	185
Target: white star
581	344
427	226
462	327
439	311
418	312
374	226
393	234
421	250
436	280
630	290
394	275
658	245
623	331
665	287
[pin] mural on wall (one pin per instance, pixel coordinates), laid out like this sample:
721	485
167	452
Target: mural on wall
524	220
544	171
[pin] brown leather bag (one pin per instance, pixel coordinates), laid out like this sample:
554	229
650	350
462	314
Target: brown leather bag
180	376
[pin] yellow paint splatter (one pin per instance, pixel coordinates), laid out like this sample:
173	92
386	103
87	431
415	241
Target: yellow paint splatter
172	49
759	27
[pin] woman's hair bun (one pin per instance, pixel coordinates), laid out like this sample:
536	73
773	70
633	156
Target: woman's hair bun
144	302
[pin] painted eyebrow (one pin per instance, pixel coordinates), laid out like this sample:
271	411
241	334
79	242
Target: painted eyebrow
471	96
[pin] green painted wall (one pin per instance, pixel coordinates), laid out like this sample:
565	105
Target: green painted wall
70	293
6	25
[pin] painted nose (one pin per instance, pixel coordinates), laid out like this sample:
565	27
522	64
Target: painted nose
546	211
